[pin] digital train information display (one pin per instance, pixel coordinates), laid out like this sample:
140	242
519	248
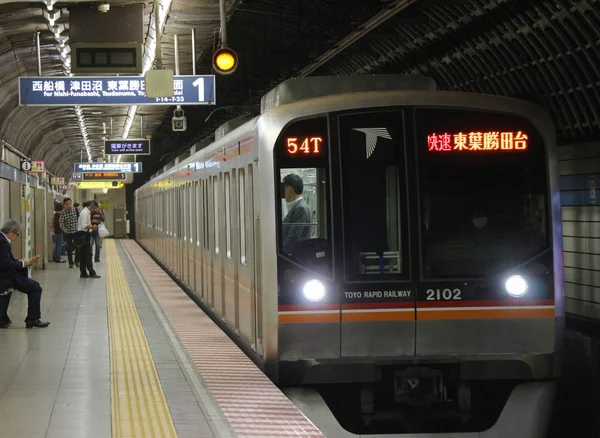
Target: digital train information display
304	146
477	141
304	141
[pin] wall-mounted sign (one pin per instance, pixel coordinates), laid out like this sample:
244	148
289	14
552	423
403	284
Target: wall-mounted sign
134	146
100	176
108	167
478	142
100	185
57	181
111	90
33	166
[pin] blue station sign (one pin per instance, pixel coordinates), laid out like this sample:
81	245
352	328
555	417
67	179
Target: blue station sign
108	167
139	146
113	90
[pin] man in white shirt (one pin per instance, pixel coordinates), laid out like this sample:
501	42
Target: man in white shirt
84	231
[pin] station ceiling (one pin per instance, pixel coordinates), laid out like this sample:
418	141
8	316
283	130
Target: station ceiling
539	50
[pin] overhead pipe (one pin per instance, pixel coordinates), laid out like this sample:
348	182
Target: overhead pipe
371	24
39	54
193	51
176	49
223	23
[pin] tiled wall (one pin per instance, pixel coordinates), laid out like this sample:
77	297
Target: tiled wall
580	198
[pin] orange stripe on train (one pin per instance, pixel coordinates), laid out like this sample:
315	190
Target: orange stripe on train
525	312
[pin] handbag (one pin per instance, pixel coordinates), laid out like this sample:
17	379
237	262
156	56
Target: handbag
102	231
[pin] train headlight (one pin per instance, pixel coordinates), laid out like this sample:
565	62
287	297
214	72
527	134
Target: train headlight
314	291
516	286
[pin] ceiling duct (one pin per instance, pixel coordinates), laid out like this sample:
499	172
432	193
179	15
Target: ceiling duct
294	90
107	40
228	126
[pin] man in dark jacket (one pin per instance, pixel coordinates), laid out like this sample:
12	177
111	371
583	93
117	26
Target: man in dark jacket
13	275
296	225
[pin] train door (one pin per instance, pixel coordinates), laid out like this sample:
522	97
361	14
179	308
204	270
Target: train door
253	256
215	243
378	301
168	241
229	257
185	233
180	227
219	212
177	226
199	240
191	201
162	244
245	269
207	259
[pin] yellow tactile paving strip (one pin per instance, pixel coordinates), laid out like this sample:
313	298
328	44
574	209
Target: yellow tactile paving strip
139	407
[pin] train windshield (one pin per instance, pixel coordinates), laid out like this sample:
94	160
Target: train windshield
483	193
375	209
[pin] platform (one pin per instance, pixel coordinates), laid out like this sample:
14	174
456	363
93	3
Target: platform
131	355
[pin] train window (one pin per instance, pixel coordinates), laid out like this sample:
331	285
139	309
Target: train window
216	221
303	207
483	196
228	214
242	215
374	195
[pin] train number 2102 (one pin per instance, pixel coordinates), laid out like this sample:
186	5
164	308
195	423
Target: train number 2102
444	294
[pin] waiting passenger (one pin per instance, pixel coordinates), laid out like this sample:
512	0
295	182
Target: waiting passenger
84	238
297	223
68	223
13	275
97	218
59	234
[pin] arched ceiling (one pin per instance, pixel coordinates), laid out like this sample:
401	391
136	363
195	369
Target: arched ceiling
540	50
52	133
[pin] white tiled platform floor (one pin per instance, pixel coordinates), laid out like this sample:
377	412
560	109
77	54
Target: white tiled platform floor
55	382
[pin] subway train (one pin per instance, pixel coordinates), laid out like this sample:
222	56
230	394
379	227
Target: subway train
424	274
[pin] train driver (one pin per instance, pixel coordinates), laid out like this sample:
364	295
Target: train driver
297	223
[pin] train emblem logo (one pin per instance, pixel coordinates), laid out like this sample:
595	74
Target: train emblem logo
371	136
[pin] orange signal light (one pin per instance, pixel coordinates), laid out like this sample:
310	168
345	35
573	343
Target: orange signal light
225	61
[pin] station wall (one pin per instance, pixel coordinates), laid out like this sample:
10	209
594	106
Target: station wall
580	199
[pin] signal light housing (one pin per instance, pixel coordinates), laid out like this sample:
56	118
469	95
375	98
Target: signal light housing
225	61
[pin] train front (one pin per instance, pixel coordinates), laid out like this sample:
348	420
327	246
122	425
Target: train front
417	252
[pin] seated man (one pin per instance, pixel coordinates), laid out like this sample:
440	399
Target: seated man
13	275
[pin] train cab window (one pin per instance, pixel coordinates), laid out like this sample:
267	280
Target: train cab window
483	190
303	207
374	195
302	159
